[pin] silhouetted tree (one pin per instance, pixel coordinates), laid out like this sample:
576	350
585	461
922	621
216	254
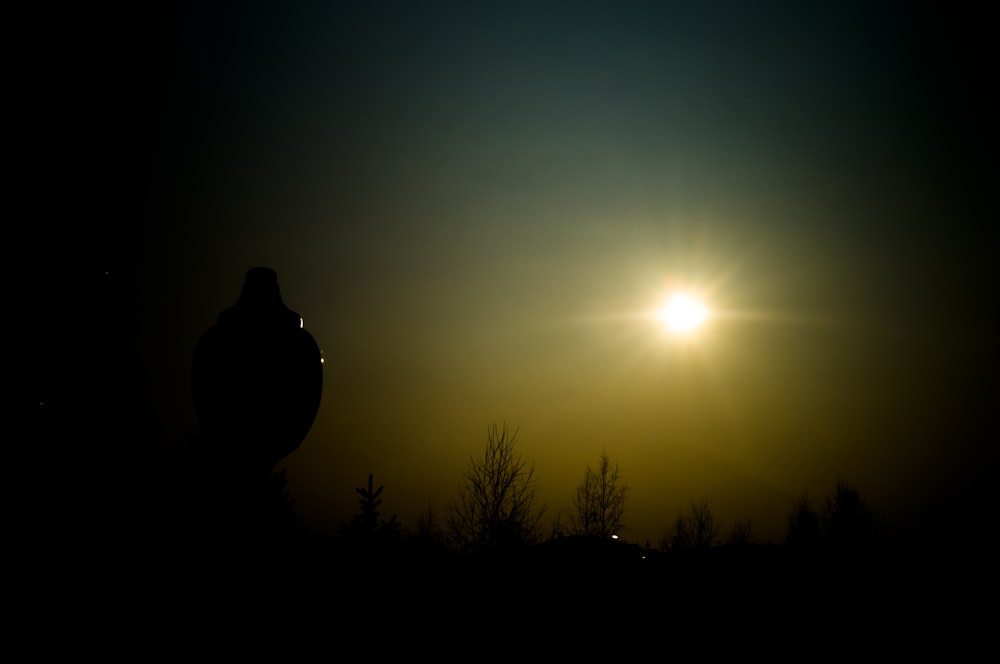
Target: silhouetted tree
599	506
429	539
695	530
556	527
366	523
678	536
803	524
845	521
848	520
496	506
741	532
428	529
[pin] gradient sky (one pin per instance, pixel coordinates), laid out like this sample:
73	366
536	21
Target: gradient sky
476	208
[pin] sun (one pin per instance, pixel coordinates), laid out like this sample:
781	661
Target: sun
683	314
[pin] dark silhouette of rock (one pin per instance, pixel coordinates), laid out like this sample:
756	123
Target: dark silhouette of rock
257	378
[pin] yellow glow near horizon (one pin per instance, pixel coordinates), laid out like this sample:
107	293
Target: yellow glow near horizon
683	314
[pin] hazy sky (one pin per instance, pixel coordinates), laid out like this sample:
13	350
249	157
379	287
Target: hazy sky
476	208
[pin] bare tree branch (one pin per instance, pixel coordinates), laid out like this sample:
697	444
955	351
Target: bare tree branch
496	504
599	506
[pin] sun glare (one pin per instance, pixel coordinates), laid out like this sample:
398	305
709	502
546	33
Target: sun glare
683	314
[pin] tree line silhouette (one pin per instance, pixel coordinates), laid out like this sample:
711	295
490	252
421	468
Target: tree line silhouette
496	511
224	529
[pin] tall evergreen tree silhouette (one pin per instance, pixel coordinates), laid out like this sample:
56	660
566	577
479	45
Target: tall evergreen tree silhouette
366	523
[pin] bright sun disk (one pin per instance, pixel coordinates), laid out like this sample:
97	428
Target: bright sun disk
683	314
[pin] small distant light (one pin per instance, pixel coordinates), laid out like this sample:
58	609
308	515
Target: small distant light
301	324
614	537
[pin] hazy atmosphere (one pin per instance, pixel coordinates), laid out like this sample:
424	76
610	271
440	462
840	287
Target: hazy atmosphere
479	211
